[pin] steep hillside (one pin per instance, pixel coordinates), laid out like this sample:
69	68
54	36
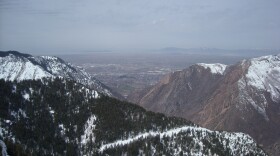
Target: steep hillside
242	97
19	66
61	117
181	91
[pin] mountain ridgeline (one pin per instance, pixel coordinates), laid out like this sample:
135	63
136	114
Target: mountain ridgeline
46	112
244	97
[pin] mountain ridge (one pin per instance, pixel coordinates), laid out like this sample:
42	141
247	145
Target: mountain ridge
19	66
243	96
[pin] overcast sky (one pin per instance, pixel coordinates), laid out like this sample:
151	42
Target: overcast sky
91	25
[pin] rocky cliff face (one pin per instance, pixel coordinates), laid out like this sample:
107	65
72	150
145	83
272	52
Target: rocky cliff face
242	97
181	90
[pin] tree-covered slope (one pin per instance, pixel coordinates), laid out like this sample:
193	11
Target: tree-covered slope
61	117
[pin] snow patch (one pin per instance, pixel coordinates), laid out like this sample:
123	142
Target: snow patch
26	96
18	113
51	112
88	135
89	92
49	57
216	68
62	129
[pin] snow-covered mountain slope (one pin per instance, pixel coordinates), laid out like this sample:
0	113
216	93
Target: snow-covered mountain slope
18	66
264	74
241	97
260	79
15	67
62	117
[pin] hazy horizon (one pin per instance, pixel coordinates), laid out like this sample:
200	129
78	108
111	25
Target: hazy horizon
69	26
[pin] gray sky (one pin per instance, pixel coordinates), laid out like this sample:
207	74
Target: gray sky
89	25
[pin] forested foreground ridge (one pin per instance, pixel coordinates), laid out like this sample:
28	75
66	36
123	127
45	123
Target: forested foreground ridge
61	117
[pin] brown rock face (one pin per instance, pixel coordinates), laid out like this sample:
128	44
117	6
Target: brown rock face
244	98
181	91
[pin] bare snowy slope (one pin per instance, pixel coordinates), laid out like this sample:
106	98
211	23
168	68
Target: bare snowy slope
216	68
18	66
263	74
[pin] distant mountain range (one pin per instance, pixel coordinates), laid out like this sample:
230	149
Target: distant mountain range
18	66
50	111
243	97
217	51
